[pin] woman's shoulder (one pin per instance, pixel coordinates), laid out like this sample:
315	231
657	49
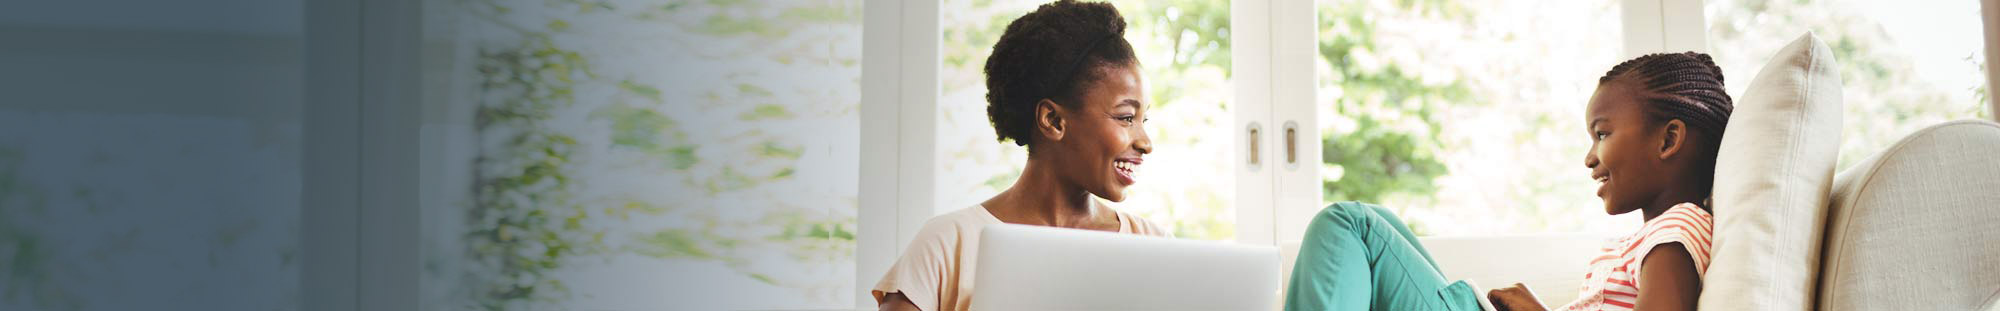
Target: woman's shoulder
958	222
1134	224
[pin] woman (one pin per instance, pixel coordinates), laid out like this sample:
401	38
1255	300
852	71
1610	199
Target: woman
1063	82
1655	123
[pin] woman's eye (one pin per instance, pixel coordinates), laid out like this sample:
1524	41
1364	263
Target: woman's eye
1126	119
1601	135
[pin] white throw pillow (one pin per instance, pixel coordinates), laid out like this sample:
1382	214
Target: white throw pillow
1772	179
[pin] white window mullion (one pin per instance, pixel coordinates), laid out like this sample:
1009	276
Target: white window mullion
1276	45
1642	28
899	86
875	228
1278	174
918	93
1250	27
1684	27
1295	117
1663	26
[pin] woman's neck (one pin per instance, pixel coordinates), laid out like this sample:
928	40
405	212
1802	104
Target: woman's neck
1040	197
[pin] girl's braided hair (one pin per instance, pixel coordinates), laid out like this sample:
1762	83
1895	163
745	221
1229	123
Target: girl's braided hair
1685	86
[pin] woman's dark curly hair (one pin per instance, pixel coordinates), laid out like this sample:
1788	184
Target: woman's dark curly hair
1053	53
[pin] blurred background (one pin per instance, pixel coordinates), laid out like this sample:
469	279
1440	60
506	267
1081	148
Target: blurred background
702	155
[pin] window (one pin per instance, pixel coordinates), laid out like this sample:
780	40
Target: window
1903	66
1464	116
1183	48
623	156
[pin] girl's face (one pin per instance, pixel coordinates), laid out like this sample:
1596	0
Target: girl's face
1104	140
1626	155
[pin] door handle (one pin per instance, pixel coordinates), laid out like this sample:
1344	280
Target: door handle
1291	145
1256	146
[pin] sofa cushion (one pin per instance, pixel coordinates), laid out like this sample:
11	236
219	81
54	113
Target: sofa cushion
1916	225
1773	172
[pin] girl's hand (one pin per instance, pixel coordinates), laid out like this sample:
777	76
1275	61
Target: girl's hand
1515	298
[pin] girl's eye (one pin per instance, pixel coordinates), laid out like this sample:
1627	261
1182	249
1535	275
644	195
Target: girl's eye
1601	135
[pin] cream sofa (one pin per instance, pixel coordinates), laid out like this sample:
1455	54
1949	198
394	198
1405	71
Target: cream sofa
1917	226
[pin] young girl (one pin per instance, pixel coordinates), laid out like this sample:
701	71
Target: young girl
1655	123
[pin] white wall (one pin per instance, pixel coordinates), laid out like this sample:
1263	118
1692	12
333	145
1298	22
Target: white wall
151	152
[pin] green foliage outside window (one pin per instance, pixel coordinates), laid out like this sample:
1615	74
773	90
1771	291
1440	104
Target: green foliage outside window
558	127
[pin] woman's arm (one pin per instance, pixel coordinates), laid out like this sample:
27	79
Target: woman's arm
1667	279
896	302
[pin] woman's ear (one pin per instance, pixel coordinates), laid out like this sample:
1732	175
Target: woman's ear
1048	120
1672	138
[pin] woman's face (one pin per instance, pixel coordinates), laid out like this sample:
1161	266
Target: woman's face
1105	140
1625	152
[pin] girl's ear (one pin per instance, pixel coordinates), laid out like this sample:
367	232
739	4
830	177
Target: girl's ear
1048	120
1672	138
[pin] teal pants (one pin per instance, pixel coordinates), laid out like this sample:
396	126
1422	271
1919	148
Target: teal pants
1359	256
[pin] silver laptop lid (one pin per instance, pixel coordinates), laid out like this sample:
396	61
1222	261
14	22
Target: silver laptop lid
1041	268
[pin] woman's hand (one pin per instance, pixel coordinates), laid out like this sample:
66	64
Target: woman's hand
896	302
1515	298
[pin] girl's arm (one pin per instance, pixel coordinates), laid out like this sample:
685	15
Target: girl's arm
1667	279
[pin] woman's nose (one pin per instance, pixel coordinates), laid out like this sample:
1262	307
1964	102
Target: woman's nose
1590	159
1142	142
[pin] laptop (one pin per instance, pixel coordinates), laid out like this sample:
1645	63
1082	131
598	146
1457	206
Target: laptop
1041	268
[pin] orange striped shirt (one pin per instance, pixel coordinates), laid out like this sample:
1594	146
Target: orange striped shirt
1613	280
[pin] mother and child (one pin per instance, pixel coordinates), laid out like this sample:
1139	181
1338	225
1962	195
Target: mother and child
1063	82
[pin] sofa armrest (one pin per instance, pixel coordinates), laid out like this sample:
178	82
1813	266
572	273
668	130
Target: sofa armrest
1917	224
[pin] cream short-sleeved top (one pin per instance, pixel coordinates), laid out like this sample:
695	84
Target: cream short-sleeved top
935	272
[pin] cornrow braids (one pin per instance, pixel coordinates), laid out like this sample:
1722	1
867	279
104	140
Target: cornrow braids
1686	86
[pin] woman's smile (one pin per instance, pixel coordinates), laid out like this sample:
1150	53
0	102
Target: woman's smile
1127	170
